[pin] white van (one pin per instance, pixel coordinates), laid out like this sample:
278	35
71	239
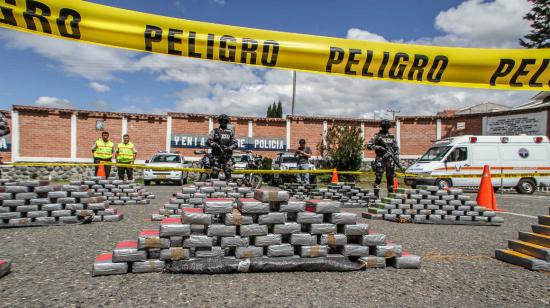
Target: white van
468	154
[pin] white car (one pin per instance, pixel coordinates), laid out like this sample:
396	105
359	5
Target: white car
171	160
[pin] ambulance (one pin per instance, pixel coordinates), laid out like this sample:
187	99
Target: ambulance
448	160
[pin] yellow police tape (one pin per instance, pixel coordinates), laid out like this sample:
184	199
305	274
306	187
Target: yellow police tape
294	171
519	69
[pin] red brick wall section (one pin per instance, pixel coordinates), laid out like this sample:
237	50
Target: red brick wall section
241	127
269	129
473	126
189	126
44	135
87	133
417	135
310	130
149	135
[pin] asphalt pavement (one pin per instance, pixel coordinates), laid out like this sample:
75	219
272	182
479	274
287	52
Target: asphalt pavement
52	267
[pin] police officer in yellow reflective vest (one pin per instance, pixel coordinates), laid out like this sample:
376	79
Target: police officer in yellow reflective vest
103	151
126	154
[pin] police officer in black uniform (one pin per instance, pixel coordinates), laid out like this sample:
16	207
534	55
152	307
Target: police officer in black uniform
222	141
380	143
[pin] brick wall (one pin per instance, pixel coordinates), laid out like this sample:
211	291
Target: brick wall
473	126
87	133
269	129
45	135
189	126
310	130
46	132
148	134
417	135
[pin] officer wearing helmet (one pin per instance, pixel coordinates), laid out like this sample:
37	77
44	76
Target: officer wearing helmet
381	143
222	141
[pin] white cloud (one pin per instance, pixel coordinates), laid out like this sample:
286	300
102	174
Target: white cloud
478	23
220	2
99	87
358	34
85	60
53	102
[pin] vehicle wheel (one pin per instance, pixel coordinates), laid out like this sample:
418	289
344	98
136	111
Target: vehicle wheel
443	183
526	186
183	181
146	182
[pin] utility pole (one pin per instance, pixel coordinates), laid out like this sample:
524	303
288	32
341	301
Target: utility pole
393	112
293	91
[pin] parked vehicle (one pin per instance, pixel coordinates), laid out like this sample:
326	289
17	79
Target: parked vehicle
163	159
247	161
464	155
287	161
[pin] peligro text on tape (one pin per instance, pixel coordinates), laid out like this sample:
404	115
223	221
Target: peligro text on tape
522	69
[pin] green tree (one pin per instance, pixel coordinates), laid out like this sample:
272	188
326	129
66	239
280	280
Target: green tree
539	16
280	110
343	148
269	111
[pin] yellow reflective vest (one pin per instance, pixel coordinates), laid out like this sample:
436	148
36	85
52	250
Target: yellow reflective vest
125	152
103	150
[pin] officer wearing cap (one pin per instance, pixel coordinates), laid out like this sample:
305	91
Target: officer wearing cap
380	143
222	141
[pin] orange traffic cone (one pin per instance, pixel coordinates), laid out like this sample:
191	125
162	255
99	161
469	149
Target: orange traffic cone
395	183
486	194
334	176
101	170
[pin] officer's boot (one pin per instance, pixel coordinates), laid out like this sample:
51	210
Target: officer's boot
377	191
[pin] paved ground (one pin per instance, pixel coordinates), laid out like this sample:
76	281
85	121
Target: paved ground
52	268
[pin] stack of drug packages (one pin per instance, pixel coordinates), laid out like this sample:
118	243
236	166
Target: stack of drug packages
348	194
431	205
38	203
194	196
266	226
5	267
298	190
117	192
532	249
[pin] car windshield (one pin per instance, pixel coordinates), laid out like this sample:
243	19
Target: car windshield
435	154
289	159
166	159
240	158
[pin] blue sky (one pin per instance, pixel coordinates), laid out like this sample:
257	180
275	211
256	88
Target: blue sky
49	72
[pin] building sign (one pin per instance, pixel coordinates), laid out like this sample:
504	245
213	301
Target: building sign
460	125
246	143
516	124
5	143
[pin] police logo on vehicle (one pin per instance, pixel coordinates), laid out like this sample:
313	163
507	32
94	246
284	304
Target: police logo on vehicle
523	153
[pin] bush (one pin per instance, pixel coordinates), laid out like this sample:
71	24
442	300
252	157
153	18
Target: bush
343	149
